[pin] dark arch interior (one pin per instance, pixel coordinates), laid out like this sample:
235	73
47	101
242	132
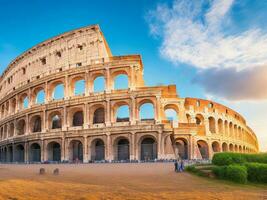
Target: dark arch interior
148	149
35	153
123	152
78	118
99	116
37	125
98	150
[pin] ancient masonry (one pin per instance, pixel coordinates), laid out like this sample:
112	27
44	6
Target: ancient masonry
86	128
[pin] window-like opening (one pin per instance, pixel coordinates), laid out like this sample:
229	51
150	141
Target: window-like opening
25	102
58	54
78	64
56	122
99	84
40	97
80	47
43	60
37	124
146	111
210	105
58	92
121	82
212	125
122	114
79	87
23	70
77	118
21	127
99	116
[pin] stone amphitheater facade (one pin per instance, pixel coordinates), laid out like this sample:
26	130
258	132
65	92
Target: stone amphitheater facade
84	128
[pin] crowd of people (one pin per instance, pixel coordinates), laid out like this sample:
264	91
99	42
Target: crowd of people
179	165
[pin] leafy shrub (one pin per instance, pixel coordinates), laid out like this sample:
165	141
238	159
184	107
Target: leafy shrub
191	168
236	173
237	158
219	171
257	172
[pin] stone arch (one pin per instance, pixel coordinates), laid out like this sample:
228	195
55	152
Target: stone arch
38	95
215	147
231	147
11	129
181	146
75	151
97	150
122	148
148	148
121	112
236	148
231	129
35	152
77	85
10	153
212	126
172	114
188	118
56	89
24	101
224	147
13	105
55	120
146	110
203	148
240	149
226	128
99	82
199	119
77	116
220	126
19	153
99	116
118	84
36	123
53	151
21	127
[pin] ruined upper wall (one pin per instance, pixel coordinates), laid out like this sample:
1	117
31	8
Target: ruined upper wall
76	48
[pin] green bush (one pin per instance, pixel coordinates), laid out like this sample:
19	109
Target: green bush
236	173
219	171
191	168
237	158
257	172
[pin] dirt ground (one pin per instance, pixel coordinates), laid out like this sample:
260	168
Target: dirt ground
116	181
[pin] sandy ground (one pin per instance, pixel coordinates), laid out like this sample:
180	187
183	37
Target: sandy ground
116	181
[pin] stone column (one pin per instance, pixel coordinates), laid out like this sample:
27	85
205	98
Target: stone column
86	117
43	151
63	149
27	128
66	87
107	117
133	111
85	150
26	152
132	156
44	124
47	95
109	156
132	78
108	81
158	109
30	98
87	90
65	119
159	144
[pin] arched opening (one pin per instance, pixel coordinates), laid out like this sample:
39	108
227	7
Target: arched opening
148	149
76	151
188	118
231	129
99	84
203	149
13	105
97	150
231	147
54	152
58	92
146	112
79	87
36	124
25	102
181	148
236	148
199	119
21	128
19	153
123	149
212	125
121	82
77	118
226	128
172	116
122	114
40	97
224	147
215	147
10	154
99	116
56	121
220	126
240	149
35	152
11	130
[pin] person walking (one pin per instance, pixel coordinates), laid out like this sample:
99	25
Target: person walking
176	166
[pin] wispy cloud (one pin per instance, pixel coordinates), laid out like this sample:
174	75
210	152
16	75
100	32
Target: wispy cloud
194	35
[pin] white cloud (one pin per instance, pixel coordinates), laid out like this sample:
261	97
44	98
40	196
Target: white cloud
195	36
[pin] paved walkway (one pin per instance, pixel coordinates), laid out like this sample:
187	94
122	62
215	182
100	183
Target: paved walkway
116	181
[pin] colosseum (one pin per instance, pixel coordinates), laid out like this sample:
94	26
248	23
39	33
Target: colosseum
46	118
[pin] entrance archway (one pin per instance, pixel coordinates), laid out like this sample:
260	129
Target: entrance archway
148	149
54	152
76	151
203	149
182	147
123	150
98	150
35	153
19	153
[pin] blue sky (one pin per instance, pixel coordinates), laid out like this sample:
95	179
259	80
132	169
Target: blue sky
164	33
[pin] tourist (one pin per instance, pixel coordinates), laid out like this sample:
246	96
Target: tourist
176	166
181	166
